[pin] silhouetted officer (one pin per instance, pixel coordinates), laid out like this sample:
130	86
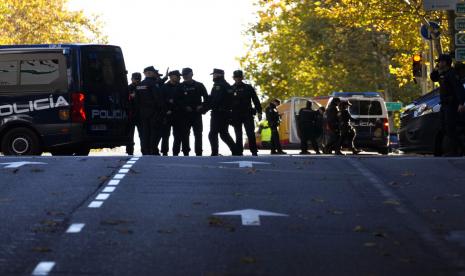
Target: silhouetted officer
191	104
170	89
274	120
133	113
308	122
347	132
149	103
243	113
449	92
220	101
332	127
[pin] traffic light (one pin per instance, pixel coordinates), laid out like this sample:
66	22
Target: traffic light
417	66
396	120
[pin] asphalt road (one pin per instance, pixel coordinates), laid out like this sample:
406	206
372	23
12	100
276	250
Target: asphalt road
316	215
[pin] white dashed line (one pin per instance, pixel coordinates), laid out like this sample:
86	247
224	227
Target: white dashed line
119	176
127	166
123	171
43	268
109	190
102	197
131	162
113	182
96	204
75	228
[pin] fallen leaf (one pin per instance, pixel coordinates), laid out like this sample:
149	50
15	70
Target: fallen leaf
166	231
359	229
380	235
438	198
103	179
132	171
237	194
394	184
41	249
37	170
215	221
408	174
55	213
114	222
392	202
126	231
369	244
15	171
248	260
336	212
318	200
252	171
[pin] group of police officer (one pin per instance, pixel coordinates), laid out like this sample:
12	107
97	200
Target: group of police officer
159	105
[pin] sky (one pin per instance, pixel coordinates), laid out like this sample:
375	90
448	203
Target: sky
201	34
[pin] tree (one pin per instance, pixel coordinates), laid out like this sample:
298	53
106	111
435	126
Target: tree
46	22
309	47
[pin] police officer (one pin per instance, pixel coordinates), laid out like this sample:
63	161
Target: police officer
243	113
274	120
149	103
169	89
449	92
347	132
308	126
332	127
220	102
134	120
191	102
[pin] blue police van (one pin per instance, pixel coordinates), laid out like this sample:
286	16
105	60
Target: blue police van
65	99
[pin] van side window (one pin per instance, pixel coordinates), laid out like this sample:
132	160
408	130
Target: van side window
39	72
8	73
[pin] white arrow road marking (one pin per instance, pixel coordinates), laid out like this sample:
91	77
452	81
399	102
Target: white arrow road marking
251	217
246	164
43	268
14	165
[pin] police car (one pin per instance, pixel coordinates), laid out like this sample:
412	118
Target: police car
370	119
64	99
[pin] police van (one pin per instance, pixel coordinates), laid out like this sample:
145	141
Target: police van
64	99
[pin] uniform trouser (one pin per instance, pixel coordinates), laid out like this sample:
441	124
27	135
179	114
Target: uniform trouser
449	118
158	128
165	137
195	122
332	141
347	135
132	130
308	134
249	126
147	135
219	124
181	136
275	143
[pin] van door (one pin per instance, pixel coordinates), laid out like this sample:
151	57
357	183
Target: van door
104	84
368	114
297	105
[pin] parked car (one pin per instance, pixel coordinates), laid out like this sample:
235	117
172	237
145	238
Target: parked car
420	130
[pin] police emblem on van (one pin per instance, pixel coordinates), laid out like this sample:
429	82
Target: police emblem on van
36	105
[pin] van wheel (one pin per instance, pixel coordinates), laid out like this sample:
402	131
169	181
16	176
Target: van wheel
384	151
21	141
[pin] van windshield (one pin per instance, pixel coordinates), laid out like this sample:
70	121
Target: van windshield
366	108
103	68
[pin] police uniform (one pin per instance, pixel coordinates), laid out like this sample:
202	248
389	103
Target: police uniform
347	132
243	113
332	127
308	121
169	91
133	118
449	92
220	101
149	104
274	120
191	102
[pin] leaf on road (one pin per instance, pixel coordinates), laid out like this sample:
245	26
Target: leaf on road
103	179
125	231
184	215
336	212
252	171
391	202
15	171
114	222
394	184
408	174
380	235
218	222
55	213
438	198
132	171
318	200
37	170
238	194
248	260
455	195
359	229
369	244
41	249
166	231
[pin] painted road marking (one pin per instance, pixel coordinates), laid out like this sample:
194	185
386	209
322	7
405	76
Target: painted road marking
75	228
123	171
416	222
15	165
102	197
127	166
109	190
43	268
246	164
131	162
96	204
113	182
119	176
251	217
